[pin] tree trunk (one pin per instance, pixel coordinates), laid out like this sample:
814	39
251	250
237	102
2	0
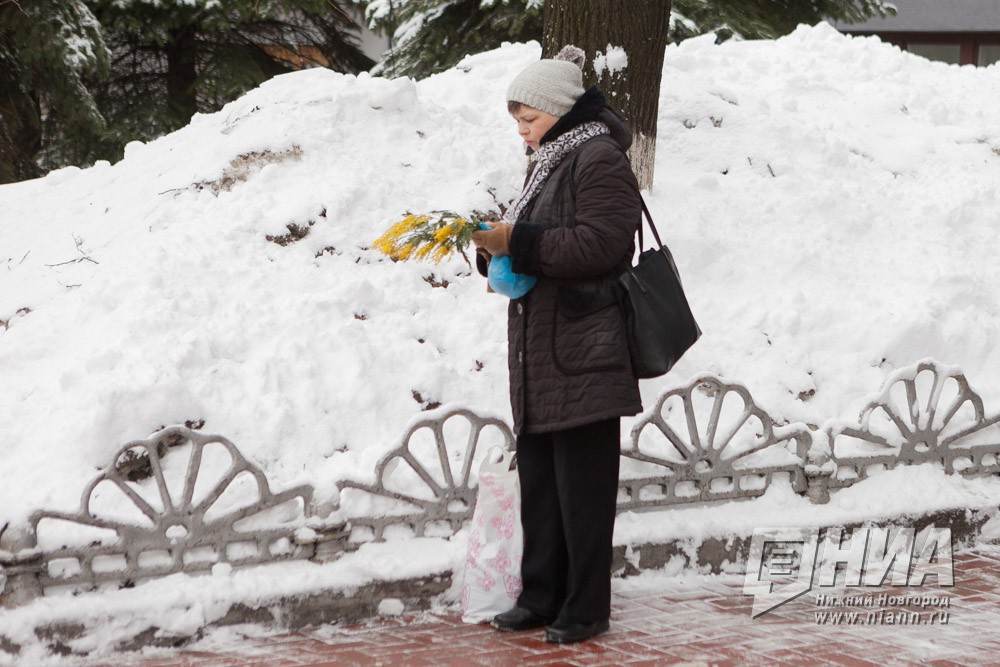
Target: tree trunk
20	131
182	75
640	28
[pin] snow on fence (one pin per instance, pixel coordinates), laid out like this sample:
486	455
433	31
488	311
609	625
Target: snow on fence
177	502
940	420
708	440
442	501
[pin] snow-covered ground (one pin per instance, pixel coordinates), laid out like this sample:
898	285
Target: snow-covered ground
831	203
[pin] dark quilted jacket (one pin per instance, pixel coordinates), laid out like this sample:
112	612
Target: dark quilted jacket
567	353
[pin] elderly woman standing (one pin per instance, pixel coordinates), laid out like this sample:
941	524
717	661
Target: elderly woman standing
570	376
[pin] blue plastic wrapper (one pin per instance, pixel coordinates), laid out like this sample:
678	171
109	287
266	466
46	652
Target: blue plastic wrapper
503	280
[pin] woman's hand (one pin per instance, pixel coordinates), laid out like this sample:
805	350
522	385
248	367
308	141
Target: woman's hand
495	241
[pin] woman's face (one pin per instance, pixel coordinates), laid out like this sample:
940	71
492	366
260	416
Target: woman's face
532	124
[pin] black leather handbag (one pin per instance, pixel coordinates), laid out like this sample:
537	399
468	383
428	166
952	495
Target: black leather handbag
658	320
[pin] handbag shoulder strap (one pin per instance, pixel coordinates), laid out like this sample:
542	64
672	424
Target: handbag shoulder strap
652	227
645	209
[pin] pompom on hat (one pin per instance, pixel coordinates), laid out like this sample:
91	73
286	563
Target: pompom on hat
551	85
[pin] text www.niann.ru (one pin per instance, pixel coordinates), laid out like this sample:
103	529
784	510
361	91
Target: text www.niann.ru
882	617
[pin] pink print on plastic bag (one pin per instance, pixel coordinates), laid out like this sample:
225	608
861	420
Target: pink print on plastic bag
467	595
500	562
475	547
512	583
504	525
504	500
486	581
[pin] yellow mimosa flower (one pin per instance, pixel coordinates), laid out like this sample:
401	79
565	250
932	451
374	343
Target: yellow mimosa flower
422	236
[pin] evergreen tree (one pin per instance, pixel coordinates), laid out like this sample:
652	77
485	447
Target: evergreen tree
173	58
429	36
432	35
764	19
49	51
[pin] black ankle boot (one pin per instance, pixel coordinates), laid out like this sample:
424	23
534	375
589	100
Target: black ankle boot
519	619
568	633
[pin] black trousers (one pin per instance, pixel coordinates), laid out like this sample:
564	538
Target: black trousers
569	489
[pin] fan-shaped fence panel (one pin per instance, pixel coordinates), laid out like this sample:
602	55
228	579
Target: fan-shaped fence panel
427	486
926	413
177	502
181	501
708	440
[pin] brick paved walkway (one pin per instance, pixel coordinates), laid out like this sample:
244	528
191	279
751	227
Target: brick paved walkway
657	620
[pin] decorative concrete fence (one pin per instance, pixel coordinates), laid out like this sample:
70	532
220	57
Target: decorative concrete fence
705	441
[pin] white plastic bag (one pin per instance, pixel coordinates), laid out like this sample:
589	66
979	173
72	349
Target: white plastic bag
492	579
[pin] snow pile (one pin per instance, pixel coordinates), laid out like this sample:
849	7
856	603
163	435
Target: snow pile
151	295
830	201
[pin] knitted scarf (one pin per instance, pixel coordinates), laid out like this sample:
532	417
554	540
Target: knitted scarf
547	158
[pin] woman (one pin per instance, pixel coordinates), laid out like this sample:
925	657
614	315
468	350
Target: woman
570	376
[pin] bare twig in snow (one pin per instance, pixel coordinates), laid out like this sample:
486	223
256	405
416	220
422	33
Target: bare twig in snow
79	248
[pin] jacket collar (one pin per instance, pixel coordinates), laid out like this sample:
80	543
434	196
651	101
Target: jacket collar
592	105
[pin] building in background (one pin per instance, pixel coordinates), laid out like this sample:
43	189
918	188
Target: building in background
308	54
962	32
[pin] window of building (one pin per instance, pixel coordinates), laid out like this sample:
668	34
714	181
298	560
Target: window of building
988	54
946	53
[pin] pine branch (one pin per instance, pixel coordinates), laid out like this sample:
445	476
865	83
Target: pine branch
16	3
338	9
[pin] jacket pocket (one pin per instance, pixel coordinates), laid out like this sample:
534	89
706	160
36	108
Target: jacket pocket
588	332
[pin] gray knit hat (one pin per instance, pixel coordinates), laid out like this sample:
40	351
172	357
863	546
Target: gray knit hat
552	86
